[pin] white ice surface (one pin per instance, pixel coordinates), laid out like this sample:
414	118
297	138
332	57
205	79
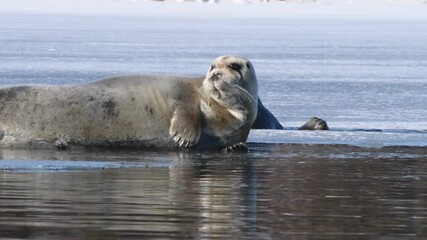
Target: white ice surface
353	138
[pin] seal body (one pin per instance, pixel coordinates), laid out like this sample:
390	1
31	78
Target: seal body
132	110
265	119
136	111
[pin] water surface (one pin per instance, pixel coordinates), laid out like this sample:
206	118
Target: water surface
273	192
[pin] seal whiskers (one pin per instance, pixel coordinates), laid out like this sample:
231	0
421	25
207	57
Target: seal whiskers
243	93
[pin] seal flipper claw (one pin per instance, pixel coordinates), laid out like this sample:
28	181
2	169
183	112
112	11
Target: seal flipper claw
238	147
62	142
185	127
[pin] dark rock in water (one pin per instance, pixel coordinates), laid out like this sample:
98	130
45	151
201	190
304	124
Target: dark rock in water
314	123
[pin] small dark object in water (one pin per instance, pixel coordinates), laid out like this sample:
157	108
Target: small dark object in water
314	123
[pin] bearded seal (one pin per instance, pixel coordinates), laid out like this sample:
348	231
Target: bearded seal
214	112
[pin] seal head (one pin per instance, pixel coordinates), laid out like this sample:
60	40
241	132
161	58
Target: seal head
230	94
227	99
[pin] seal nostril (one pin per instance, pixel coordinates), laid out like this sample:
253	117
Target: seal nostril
216	76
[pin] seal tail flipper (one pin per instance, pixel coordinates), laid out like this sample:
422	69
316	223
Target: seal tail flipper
314	123
265	119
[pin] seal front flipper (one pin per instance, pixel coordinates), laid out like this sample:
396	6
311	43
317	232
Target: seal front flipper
238	147
185	127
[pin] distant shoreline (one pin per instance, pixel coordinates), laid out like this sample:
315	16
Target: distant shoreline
347	9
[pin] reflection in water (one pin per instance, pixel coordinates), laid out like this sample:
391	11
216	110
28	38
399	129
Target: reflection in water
224	193
273	192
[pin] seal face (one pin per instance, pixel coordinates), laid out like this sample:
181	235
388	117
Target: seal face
214	112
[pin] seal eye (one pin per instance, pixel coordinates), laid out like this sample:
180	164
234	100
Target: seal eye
235	66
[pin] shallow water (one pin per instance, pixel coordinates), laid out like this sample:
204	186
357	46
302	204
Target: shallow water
366	178
273	192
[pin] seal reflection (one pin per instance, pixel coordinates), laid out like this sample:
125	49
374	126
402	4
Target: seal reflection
225	194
